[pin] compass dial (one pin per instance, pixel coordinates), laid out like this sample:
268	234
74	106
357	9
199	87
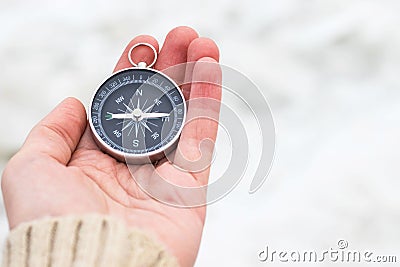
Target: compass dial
137	113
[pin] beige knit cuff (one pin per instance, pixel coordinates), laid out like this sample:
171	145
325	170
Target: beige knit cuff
82	241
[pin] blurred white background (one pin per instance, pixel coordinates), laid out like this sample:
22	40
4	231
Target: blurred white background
329	69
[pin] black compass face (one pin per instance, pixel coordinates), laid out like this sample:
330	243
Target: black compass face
137	111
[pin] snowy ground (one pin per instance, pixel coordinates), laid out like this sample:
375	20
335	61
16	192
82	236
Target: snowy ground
328	68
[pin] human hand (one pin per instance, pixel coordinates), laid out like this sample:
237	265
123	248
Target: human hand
60	171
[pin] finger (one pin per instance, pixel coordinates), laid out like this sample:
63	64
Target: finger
87	142
140	53
196	144
198	48
58	134
174	52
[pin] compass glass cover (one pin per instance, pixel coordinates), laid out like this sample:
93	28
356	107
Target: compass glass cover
137	111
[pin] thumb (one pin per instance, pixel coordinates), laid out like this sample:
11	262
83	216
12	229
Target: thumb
57	135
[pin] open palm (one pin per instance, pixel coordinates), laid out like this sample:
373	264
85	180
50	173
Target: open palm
60	170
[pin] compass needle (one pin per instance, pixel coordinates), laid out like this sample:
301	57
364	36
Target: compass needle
109	116
154	115
121	116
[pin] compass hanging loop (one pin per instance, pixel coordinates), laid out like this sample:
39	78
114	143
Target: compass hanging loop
142	64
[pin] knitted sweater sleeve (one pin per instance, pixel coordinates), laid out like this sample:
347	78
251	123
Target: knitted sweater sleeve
82	241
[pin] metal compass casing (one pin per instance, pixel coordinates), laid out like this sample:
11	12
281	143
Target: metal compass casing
137	114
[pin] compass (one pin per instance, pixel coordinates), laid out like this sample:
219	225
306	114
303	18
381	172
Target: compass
137	114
